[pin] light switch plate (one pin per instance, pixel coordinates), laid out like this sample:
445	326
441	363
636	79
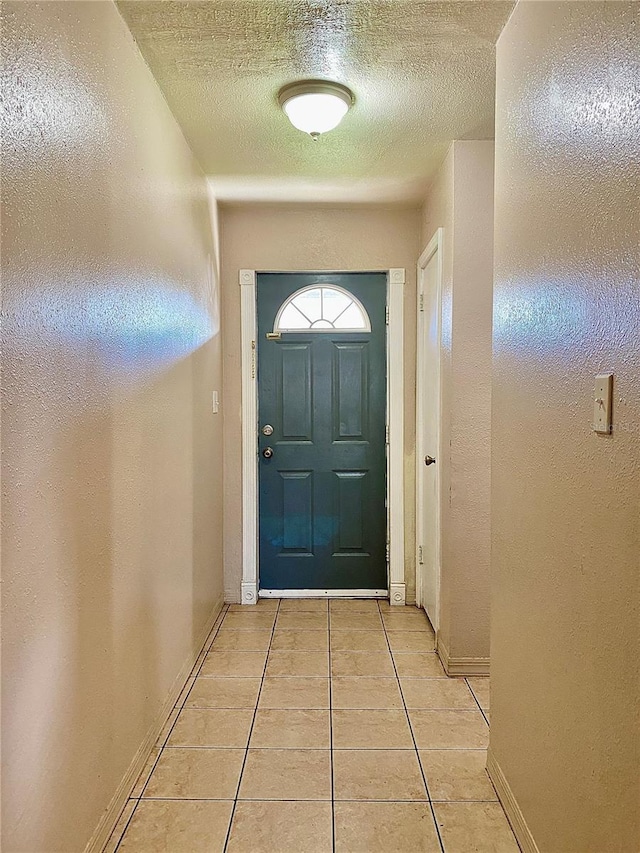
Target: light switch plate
602	403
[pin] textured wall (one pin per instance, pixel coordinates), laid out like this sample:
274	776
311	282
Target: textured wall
565	640
111	457
311	237
461	202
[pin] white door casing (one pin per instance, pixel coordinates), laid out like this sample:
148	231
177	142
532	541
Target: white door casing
428	413
395	432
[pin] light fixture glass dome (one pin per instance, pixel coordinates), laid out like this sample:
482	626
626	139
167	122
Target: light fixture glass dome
315	106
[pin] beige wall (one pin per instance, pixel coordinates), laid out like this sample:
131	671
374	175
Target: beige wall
565	647
460	201
311	237
111	457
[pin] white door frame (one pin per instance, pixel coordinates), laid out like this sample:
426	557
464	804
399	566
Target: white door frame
395	442
435	245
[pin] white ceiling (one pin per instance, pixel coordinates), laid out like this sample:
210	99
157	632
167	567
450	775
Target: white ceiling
422	73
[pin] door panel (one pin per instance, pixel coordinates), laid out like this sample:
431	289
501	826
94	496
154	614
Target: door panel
296	392
297	512
351	392
350	499
322	514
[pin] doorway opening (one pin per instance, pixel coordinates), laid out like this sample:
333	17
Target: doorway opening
428	441
322	446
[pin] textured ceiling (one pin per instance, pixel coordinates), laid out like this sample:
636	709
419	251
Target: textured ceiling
422	74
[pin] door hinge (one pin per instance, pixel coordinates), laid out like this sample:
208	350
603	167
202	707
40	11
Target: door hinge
420	556
422	302
388	552
253	359
386	434
386	315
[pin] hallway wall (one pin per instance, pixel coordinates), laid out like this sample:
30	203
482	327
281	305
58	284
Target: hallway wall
310	237
565	645
112	545
460	200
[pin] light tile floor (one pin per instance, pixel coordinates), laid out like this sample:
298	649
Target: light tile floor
316	726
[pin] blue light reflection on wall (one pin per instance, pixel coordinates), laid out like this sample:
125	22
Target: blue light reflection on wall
133	326
538	315
151	326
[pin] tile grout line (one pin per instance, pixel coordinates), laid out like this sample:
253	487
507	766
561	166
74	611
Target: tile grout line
208	645
473	693
415	745
319	748
122	834
197	668
333	803
316	800
205	648
253	720
481	709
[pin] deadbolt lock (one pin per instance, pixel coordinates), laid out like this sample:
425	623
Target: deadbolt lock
267	429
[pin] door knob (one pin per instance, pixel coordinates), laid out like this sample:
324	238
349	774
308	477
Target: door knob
267	452
429	460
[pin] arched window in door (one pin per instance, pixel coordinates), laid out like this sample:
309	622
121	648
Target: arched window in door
322	308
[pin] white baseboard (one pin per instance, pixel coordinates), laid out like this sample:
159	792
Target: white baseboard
509	804
110	817
460	666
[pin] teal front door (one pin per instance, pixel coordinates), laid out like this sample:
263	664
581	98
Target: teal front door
322	423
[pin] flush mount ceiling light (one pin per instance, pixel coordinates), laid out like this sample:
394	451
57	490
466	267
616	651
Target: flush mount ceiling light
315	106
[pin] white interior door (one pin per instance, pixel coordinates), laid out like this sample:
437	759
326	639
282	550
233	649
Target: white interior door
428	428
